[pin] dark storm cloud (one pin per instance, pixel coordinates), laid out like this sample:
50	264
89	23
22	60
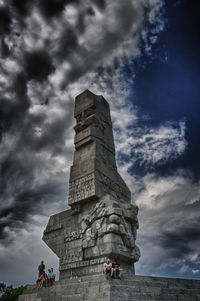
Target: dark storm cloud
26	202
68	44
19	84
169	219
12	113
81	20
49	8
38	65
52	8
29	198
26	189
22	7
3	48
91	11
5	20
100	4
179	242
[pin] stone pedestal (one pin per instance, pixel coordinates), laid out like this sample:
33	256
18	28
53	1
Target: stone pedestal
133	288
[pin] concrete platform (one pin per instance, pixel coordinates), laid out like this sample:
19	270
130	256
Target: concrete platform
134	288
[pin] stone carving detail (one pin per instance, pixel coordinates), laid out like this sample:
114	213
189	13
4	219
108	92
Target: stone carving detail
85	119
82	188
81	264
73	235
72	256
105	219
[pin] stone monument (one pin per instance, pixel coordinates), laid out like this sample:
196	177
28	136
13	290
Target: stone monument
102	221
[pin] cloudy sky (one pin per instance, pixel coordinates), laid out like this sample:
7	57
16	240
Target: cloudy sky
143	56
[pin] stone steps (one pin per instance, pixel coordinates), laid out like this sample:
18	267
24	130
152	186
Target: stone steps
134	288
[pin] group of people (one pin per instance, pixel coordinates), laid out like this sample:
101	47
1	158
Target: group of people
112	270
44	278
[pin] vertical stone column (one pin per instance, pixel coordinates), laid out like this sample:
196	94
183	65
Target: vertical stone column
102	222
94	170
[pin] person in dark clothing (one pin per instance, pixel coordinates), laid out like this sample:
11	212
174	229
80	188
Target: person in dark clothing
116	270
41	268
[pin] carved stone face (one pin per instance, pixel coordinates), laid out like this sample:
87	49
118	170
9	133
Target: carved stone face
85	118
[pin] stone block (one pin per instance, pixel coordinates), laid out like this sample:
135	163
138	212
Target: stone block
134	288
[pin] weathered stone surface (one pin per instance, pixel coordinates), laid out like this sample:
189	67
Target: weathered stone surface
102	222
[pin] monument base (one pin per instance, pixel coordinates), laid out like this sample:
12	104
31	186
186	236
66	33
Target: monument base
133	288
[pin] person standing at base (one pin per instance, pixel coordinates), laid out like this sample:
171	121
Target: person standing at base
41	268
107	268
116	270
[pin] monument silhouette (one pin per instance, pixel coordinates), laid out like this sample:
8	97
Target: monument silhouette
101	223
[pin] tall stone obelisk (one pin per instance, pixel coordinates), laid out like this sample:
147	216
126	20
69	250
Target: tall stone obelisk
102	221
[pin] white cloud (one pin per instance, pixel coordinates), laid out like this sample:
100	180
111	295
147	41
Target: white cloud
168	233
155	146
149	146
195	257
184	269
195	271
